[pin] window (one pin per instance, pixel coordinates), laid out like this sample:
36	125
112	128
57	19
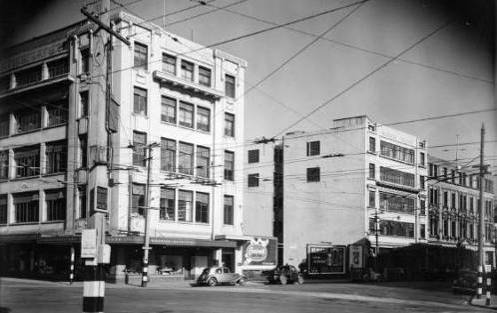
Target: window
229	85
435	170
4	125
372	199
187	70
229	165
453	176
421	182
396	177
82	201
185	165
57	113
83	104
446	199
169	63
203	161
3	209
168	155
253	180
313	174
167	204
27	161
141	56
398	229
372	171
56	205
168	110
203	119
138	199
445	172
202	207
140	101
56	157
229	125
85	60
28	120
397	152
228	210
422	158
253	156
4	164
186	114
58	67
422	207
392	202
139	149
26	207
313	148
453	200
185	200
372	144
422	231
28	76
83	154
204	76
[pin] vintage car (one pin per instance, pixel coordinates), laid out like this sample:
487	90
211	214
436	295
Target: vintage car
213	276
465	282
284	274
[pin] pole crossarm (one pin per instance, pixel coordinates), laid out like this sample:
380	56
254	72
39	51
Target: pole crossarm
105	27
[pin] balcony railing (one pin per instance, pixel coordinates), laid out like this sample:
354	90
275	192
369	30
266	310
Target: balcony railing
28	76
57	68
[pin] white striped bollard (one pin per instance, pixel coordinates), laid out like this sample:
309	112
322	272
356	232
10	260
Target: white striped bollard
487	292
479	282
145	273
71	269
94	289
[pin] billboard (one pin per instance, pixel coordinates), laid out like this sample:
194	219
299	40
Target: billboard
325	259
260	251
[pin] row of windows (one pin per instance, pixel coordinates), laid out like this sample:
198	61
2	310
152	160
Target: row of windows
182	113
30	119
396	152
27	207
27	160
451	229
463	202
178	205
459	178
181	157
391	202
394	228
186	69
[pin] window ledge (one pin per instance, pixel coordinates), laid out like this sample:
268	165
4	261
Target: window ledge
396	160
53	174
24	223
372	152
55	126
145	116
52	222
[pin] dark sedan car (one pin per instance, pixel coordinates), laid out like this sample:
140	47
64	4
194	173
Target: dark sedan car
285	274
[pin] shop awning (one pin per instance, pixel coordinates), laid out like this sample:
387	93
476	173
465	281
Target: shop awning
173	242
18	238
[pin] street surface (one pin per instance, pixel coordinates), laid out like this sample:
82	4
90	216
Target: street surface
37	296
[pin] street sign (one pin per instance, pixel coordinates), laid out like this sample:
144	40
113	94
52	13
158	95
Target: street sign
89	243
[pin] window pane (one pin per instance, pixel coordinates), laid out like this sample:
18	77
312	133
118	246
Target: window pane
27	161
167	204
313	148
141	56
313	174
187	70
203	162
168	155
253	180
4	125
138	199
202	208
26	207
185	165
4	164
253	156
204	76
228	210
139	151
169	64
229	162
203	119
140	101
83	105
186	114
168	113
229	84
3	209
56	157
229	125
56	205
185	201
27	120
57	113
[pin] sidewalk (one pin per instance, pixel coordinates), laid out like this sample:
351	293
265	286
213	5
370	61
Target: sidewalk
481	302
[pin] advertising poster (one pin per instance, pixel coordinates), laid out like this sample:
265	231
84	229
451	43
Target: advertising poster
326	259
260	251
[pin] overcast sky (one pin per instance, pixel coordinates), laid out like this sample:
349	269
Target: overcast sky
453	70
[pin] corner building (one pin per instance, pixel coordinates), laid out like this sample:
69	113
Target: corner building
338	181
174	97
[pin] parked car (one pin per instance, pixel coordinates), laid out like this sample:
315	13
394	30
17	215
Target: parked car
285	274
465	282
213	276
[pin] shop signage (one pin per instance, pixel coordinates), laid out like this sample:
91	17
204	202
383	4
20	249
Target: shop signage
89	243
325	259
356	256
260	251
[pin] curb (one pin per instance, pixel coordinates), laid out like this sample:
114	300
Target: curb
480	303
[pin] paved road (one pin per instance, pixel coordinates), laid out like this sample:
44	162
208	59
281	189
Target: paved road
31	296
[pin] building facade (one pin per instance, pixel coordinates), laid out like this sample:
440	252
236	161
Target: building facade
169	96
356	181
453	202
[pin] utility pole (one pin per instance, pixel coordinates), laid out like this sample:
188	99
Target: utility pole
146	245
481	228
376	235
93	248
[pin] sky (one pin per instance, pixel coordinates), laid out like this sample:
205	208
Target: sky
449	72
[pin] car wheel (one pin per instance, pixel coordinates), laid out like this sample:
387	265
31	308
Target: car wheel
300	280
212	282
242	281
283	279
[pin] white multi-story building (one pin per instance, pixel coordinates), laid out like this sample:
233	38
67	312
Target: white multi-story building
171	96
337	182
